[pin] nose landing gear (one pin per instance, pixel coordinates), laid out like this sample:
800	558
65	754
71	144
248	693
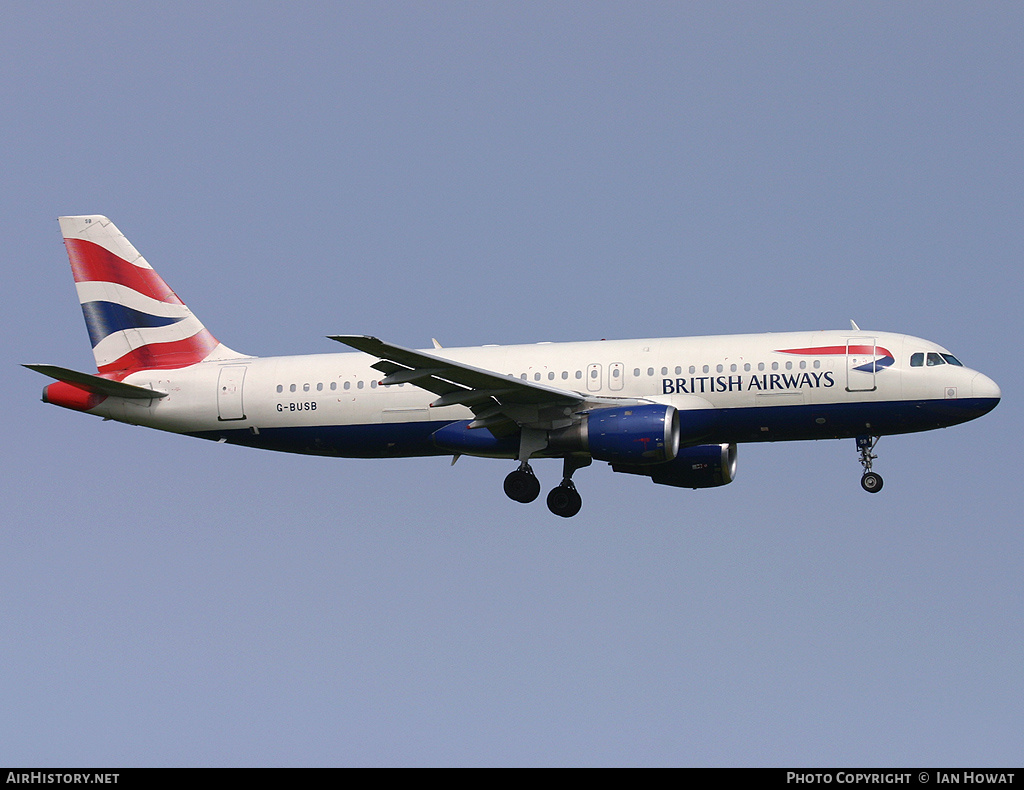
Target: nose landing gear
870	481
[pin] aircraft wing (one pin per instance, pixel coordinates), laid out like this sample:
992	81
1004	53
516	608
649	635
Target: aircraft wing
496	400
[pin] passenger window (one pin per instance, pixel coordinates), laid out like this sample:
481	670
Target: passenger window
579	374
935	359
348	384
636	372
280	387
334	385
319	386
291	388
565	374
650	371
917	360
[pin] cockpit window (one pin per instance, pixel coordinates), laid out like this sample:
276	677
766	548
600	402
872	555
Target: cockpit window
918	360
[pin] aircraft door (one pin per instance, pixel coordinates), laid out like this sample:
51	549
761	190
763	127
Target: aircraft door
229	393
860	364
594	377
616	374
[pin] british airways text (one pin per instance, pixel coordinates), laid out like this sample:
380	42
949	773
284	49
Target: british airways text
764	382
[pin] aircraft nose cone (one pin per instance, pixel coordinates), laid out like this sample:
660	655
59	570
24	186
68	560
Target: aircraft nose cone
984	387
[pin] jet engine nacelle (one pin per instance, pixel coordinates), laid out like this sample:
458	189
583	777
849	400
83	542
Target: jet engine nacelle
706	466
646	434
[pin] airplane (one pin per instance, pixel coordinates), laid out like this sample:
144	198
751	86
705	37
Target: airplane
672	410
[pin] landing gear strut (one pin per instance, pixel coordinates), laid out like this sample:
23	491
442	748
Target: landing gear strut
522	485
870	481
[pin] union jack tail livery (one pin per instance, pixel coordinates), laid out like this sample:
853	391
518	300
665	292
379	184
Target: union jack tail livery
135	321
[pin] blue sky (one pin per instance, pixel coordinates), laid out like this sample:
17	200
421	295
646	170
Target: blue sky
512	173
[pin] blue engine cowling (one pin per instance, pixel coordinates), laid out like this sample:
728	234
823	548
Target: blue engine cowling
646	434
705	466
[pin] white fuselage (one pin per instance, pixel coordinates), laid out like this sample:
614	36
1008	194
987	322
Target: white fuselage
764	387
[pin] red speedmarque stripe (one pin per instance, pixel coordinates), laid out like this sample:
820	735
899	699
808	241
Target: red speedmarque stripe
827	350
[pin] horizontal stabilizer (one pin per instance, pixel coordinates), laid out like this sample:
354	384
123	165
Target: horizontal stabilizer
97	384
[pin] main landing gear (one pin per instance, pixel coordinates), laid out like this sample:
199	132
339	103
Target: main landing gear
522	485
870	481
564	500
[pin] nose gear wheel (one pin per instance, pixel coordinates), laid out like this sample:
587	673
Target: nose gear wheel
870	481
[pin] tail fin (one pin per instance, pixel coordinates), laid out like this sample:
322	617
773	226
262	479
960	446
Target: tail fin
135	321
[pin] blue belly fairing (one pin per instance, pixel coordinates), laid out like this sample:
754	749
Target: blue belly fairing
739	425
844	420
380	440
